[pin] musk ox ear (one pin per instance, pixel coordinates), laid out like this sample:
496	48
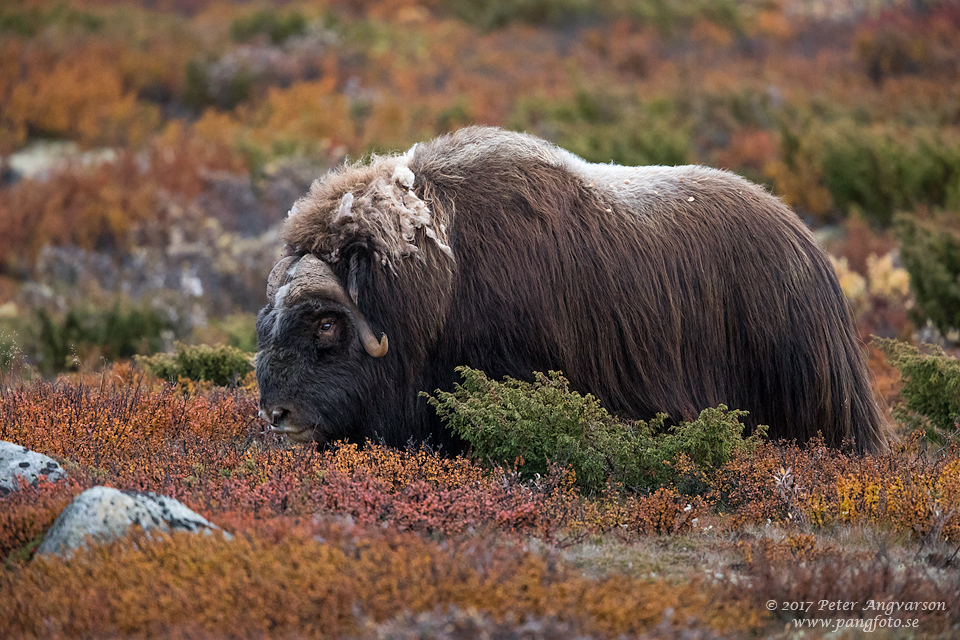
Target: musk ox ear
356	275
359	259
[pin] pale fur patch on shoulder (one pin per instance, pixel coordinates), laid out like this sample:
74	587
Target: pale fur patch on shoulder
463	151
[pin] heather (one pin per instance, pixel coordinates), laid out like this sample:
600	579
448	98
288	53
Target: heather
350	539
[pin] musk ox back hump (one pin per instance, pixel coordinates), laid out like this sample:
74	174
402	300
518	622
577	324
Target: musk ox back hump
657	289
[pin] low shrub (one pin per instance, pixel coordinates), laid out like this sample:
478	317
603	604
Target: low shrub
29	512
64	341
602	127
110	207
276	26
802	569
495	14
28	20
879	296
882	169
708	443
930	389
223	365
668	17
535	424
200	91
237	330
931	255
902	490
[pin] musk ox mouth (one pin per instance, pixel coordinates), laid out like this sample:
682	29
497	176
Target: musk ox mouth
297	434
294	432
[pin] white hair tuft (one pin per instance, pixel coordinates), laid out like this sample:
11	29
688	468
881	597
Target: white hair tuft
346	203
403	176
280	296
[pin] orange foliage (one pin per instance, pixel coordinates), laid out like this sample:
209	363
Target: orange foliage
859	241
394	72
324	580
121	431
307	117
28	513
751	149
121	428
622	46
801	184
773	24
666	512
901	490
80	94
399	471
885	377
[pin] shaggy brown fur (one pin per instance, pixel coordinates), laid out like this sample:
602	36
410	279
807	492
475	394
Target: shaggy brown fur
654	288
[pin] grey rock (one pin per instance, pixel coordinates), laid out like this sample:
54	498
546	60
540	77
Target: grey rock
39	160
19	461
105	514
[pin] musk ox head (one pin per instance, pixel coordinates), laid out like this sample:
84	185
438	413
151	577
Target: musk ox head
323	353
314	342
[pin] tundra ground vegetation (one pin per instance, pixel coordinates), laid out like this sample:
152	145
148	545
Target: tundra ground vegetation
360	538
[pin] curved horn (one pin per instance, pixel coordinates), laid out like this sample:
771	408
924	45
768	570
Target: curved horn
376	348
314	276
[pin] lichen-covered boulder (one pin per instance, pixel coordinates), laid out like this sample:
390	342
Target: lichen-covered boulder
105	513
17	461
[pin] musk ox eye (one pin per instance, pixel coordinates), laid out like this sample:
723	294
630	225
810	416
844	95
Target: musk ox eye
328	332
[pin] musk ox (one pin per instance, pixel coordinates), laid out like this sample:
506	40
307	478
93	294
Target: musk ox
656	289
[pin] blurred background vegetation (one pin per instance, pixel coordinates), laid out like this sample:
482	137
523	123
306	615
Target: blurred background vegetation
149	149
